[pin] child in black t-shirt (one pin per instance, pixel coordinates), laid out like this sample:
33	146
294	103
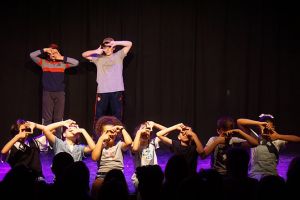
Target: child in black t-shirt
23	149
188	144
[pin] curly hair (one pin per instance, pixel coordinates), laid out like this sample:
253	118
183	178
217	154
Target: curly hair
106	120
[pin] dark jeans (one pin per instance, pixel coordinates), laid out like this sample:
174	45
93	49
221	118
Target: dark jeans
109	104
53	109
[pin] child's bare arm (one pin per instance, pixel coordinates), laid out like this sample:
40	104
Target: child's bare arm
11	143
136	141
127	139
96	153
162	135
210	148
90	143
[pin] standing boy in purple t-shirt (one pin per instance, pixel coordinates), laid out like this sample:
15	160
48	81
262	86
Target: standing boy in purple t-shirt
109	76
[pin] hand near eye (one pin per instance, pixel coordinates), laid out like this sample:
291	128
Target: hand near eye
232	131
117	128
31	125
270	127
99	50
105	137
22	135
57	55
180	126
262	126
47	50
150	124
112	43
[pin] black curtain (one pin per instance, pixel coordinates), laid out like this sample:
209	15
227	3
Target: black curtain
191	61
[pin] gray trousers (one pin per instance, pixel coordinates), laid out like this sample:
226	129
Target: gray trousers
53	109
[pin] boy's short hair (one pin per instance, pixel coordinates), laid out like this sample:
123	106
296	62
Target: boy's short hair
225	123
53	46
107	41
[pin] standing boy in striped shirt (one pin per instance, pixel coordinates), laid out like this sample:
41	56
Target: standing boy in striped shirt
53	65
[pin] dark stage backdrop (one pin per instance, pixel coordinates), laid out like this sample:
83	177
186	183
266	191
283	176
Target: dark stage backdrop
191	61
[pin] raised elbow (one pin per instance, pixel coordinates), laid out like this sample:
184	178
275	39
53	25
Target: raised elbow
255	143
240	121
76	63
129	143
32	55
4	152
92	147
133	151
94	157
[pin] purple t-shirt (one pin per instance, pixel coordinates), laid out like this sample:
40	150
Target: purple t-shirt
110	72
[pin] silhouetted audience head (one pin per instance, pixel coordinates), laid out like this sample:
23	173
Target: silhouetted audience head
176	169
150	179
237	184
271	187
19	181
211	178
75	181
293	173
115	174
60	162
237	162
190	188
114	186
293	177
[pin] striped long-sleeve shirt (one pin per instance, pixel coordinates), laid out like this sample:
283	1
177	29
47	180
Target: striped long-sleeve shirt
53	71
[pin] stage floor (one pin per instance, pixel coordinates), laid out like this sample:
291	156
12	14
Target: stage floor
163	157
